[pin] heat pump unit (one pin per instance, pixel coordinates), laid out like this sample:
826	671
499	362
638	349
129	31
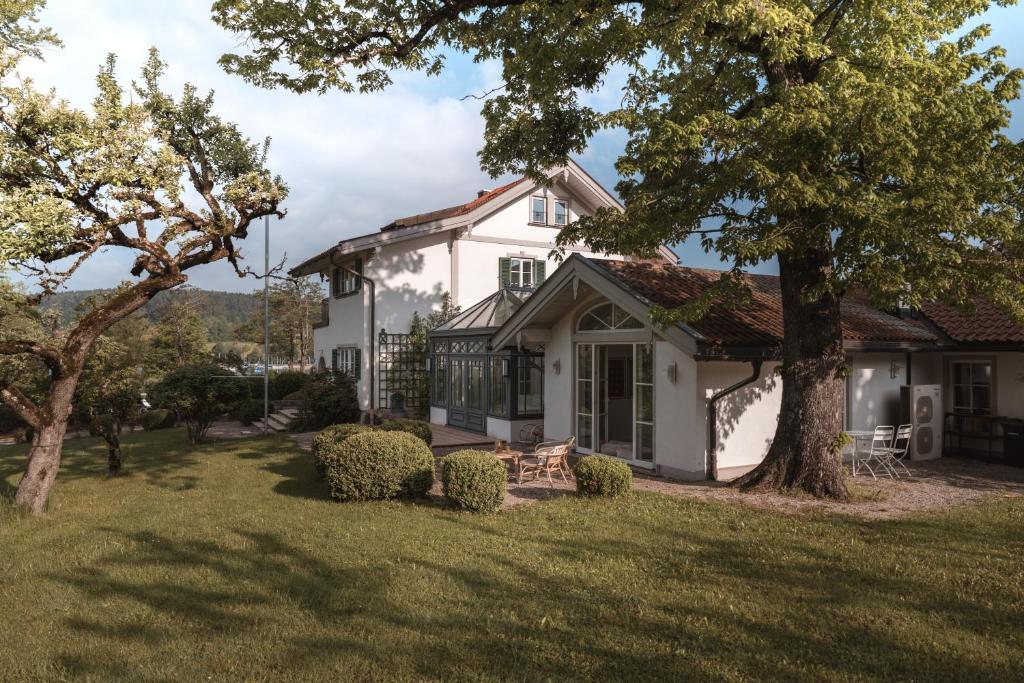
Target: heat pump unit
922	408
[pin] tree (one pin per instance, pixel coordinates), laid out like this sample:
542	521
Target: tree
180	338
294	307
858	144
110	394
199	394
75	183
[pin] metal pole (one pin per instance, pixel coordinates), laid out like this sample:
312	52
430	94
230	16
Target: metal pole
266	325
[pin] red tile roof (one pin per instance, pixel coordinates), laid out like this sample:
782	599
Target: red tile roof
451	211
758	323
987	324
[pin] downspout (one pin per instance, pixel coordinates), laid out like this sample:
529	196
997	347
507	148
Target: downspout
373	322
712	473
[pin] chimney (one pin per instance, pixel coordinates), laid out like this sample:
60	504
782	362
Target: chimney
481	193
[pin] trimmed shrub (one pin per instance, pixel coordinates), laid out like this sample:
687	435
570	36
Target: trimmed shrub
331	436
153	420
248	410
379	466
474	480
328	399
287	382
417	428
294	396
598	475
198	395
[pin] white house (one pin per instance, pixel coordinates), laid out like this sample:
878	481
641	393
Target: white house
502	239
571	348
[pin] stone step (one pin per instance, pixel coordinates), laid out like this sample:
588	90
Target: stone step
289	412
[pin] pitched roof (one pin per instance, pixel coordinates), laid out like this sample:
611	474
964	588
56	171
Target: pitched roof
987	324
489	314
457	210
758	322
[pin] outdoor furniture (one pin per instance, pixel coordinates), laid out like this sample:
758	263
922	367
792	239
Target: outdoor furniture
973	428
881	441
531	433
892	457
511	458
860	447
548	457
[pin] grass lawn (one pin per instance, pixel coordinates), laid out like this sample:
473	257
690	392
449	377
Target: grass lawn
228	562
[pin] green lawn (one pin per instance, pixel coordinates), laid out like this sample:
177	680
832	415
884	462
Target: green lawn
227	562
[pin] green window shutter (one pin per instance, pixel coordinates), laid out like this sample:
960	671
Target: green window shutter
358	267
539	269
505	272
357	364
334	360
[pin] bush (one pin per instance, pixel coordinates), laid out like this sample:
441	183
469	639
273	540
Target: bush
294	396
199	395
248	410
328	399
153	420
331	436
474	480
598	475
287	382
417	428
379	466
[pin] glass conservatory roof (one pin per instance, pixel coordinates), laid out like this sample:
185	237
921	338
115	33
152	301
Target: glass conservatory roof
485	316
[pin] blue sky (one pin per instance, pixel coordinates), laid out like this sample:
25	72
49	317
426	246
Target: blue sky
353	162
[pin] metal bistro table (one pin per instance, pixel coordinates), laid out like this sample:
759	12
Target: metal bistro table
859	437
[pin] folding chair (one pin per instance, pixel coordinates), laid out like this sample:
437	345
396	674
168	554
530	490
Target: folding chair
893	457
881	443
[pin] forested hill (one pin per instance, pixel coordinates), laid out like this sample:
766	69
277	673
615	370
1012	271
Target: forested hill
221	311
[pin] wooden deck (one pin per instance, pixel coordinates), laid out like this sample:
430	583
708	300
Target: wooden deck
450	437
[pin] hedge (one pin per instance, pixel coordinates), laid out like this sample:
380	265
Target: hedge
474	480
598	475
331	436
158	419
379	465
417	428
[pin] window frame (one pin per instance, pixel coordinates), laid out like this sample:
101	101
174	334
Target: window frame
349	361
533	213
344	284
523	272
554	212
971	386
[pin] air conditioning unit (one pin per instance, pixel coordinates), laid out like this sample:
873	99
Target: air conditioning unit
921	406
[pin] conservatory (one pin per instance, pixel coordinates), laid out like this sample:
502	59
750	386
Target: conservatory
480	389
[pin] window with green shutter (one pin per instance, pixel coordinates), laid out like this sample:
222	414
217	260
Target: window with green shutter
504	273
539	272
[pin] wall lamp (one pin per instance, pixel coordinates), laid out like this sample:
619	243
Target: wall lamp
673	372
557	366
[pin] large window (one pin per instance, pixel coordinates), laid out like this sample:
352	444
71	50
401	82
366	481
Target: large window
500	371
347	359
343	282
530	385
608	317
520	271
539	210
972	387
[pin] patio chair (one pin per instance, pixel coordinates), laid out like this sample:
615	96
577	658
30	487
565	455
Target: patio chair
881	443
893	456
548	457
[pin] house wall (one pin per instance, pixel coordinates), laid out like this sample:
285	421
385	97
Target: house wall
747	418
873	394
679	445
558	388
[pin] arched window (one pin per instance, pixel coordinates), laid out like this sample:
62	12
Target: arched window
605	317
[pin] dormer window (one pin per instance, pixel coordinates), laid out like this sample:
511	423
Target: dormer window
538	210
561	212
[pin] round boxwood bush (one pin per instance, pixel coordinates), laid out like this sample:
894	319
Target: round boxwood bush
417	428
331	436
379	465
598	475
474	480
157	419
248	410
287	382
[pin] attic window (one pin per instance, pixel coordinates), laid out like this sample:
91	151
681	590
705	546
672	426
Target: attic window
538	210
606	317
561	212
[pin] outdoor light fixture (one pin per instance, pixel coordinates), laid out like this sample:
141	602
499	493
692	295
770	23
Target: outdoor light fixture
428	363
557	366
673	372
505	367
894	370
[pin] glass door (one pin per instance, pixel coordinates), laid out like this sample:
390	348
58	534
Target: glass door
643	404
585	397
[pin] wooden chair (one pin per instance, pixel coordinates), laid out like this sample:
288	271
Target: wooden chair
548	457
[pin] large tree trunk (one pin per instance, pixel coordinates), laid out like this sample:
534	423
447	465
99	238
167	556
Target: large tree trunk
805	452
47	444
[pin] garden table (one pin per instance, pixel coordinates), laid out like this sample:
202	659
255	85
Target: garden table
512	457
859	437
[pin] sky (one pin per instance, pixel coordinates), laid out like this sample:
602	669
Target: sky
353	162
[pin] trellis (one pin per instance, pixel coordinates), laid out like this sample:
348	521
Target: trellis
403	380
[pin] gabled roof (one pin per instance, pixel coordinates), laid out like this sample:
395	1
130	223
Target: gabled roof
758	322
988	324
754	328
451	211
